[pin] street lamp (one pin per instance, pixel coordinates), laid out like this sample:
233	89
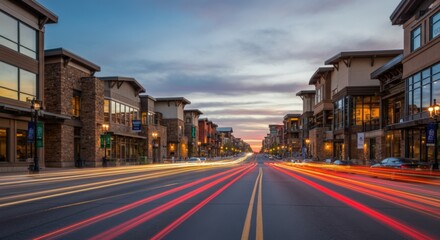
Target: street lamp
433	113
155	145
35	107
105	130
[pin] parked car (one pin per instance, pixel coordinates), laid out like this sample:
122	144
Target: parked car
203	159
395	162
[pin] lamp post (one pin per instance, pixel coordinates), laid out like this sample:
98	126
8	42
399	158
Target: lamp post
155	145
35	107
105	129
433	113
307	147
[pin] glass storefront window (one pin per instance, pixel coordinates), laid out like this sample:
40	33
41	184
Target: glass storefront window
106	111
123	116
28	41
3	144
113	109
28	85
18	36
8	81
357	111
8	32
16	83
24	148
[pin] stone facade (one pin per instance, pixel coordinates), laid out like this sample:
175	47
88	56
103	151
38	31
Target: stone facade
75	141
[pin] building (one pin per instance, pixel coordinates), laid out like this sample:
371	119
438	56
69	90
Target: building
152	128
71	90
121	120
22	79
421	73
392	92
292	136
226	140
172	110
192	131
320	134
306	118
356	104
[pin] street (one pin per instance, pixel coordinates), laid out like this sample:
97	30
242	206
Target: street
249	198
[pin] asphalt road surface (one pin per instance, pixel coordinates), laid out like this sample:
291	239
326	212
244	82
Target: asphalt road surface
244	198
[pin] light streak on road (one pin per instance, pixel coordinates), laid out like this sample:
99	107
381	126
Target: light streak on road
106	215
417	202
134	222
388	221
188	214
34	196
416	176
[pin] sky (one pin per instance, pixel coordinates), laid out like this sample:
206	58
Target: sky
240	62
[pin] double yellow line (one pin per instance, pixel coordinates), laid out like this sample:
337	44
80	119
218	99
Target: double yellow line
259	223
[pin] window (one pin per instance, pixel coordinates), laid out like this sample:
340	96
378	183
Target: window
3	144
76	103
18	36
422	88
123	115
144	118
113	109
151	118
416	38
17	83
435	25
24	148
106	111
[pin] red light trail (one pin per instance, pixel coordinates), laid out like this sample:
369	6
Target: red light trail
126	226
394	224
106	215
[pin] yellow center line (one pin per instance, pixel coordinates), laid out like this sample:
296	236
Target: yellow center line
259	230
247	222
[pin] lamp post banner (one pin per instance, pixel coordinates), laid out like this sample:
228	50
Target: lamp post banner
431	134
360	140
40	132
136	126
31	132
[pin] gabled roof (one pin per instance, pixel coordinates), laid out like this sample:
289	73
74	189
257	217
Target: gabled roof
292	115
394	62
405	10
306	92
194	111
318	73
41	11
173	99
225	129
362	54
147	96
69	56
130	80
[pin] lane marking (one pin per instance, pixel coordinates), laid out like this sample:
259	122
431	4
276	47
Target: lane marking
259	229
247	222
